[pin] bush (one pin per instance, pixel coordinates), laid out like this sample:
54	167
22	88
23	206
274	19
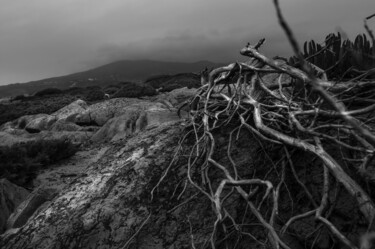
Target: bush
21	97
36	105
133	90
112	89
20	163
74	91
342	57
48	91
95	95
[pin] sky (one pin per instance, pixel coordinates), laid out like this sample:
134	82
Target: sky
46	38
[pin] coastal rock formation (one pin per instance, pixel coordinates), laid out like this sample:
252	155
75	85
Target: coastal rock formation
99	113
135	118
40	123
21	136
111	206
10	197
75	108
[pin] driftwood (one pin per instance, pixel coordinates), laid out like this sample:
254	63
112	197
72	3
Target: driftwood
296	112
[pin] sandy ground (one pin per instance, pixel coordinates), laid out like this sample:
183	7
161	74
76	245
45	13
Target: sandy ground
59	175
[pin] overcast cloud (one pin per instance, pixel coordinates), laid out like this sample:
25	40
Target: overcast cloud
45	38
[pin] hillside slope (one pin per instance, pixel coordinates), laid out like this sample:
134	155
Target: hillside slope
108	74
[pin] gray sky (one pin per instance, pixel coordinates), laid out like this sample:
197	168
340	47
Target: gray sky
45	38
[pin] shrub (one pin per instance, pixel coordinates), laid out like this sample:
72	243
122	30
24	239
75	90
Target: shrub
75	91
95	95
36	105
20	97
133	90
112	89
341	57
19	163
48	91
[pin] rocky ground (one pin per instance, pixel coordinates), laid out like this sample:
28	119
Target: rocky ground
125	145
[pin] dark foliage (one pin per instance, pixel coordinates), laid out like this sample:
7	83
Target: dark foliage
167	83
21	98
74	91
340	58
112	89
133	90
36	105
95	95
19	163
48	91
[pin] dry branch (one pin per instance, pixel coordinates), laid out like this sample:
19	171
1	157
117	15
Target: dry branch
291	110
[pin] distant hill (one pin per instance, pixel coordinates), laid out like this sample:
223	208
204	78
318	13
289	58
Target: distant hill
108	74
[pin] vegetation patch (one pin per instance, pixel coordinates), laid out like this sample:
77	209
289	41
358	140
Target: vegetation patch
133	90
167	83
35	105
19	163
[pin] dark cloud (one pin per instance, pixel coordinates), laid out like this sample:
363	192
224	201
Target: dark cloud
44	38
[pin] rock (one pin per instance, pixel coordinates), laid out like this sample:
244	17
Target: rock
15	137
135	119
100	113
38	124
23	121
75	108
77	137
119	127
10	197
63	125
8	126
175	97
26	209
111	206
20	136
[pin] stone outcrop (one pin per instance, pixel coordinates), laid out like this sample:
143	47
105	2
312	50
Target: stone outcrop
111	206
63	125
135	118
75	108
41	123
34	201
101	112
20	136
175	97
10	197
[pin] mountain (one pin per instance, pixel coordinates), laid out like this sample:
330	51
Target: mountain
114	72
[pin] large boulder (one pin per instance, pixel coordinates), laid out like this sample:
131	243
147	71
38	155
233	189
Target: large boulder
40	123
10	197
120	127
23	121
175	97
111	206
21	136
34	201
134	119
63	125
76	137
15	137
75	108
100	113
